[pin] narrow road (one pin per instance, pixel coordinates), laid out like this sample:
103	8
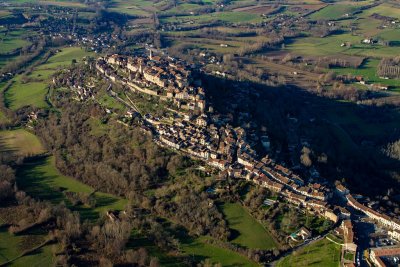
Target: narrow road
116	97
133	104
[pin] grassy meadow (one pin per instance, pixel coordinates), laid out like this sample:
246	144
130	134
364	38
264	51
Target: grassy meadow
22	94
384	9
12	40
368	71
11	247
62	3
248	231
135	8
321	253
20	142
332	12
198	248
225	16
33	92
41	179
202	250
331	45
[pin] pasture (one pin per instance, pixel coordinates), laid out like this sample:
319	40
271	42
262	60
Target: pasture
20	142
12	40
247	231
135	8
22	94
5	59
109	102
138	240
41	179
384	9
34	92
321	253
229	17
200	249
12	246
62	3
331	45
197	248
184	7
332	12
368	71
390	35
64	58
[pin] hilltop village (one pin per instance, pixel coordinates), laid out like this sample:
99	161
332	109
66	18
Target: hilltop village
200	133
167	79
203	135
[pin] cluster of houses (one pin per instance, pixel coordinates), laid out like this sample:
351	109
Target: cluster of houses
92	42
218	144
227	149
391	223
166	78
210	138
83	93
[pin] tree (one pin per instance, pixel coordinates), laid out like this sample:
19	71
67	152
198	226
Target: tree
305	157
154	262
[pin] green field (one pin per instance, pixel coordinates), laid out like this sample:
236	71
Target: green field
8	245
368	72
331	45
33	93
349	256
63	3
41	179
250	233
110	102
11	246
184	7
136	8
5	59
230	17
12	40
336	11
390	35
201	250
20	142
197	248
321	253
384	10
64	58
26	94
